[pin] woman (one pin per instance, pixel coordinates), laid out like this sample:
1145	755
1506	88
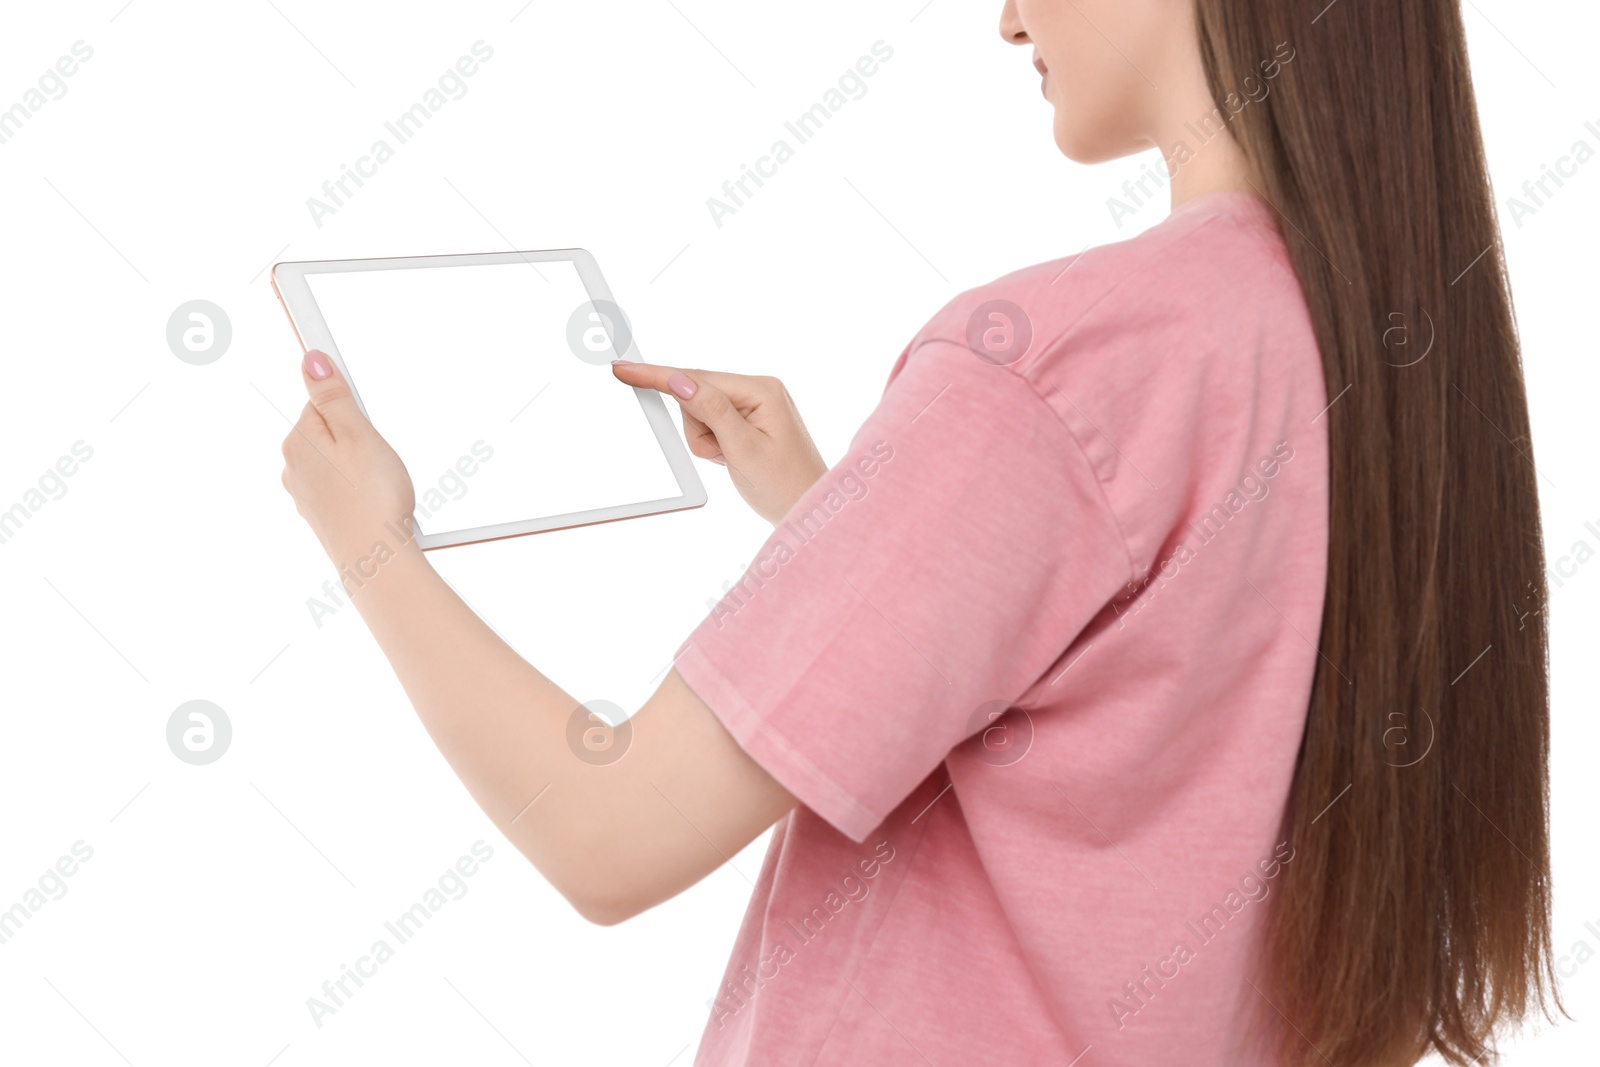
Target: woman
1150	683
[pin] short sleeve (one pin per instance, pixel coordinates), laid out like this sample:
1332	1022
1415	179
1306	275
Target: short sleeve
946	562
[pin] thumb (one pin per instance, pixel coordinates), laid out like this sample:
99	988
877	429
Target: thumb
330	394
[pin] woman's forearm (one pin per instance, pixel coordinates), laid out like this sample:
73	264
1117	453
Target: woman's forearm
615	836
461	677
499	722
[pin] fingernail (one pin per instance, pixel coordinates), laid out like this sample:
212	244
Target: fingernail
616	361
718	459
681	385
317	365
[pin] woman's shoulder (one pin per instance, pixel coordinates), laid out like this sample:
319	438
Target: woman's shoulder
1174	358
1213	271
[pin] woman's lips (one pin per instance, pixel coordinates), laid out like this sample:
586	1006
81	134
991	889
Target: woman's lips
1044	74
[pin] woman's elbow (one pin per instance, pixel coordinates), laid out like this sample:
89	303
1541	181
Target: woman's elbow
605	905
605	913
603	893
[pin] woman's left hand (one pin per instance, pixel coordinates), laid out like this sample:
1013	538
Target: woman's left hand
347	482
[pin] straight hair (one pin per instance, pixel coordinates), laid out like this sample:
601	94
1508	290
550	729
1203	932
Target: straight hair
1416	916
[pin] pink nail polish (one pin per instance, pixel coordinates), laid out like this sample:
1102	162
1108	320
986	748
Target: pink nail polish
317	365
616	361
681	385
718	459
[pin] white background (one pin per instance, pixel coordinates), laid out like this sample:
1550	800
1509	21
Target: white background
177	166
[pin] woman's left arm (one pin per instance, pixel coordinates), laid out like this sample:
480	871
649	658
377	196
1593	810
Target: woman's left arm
614	839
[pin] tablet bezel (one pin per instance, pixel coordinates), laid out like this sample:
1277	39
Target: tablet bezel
305	317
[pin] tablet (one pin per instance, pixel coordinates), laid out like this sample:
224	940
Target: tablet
490	375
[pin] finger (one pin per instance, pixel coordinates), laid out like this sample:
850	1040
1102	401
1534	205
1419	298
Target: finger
702	442
331	396
308	433
745	391
655	375
713	398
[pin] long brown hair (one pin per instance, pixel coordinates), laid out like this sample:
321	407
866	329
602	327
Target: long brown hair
1416	916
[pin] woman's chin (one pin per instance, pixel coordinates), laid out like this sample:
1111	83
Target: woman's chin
1089	146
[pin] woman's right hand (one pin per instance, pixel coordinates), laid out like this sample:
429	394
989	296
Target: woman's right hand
748	424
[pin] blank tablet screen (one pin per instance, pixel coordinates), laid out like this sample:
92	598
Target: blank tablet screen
458	363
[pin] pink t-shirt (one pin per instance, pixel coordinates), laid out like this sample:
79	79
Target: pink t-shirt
1094	493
